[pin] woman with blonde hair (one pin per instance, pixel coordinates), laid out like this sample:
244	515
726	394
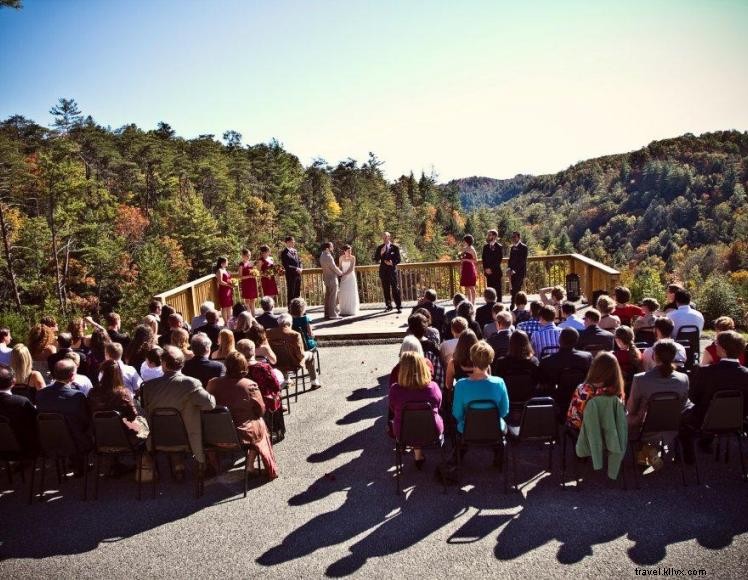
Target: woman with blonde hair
606	305
22	365
603	379
414	386
41	345
410	344
226	345
181	339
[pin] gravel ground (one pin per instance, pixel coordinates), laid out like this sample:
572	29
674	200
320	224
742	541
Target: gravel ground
333	511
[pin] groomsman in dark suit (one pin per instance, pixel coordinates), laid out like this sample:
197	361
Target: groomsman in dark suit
292	264
517	264
388	256
493	253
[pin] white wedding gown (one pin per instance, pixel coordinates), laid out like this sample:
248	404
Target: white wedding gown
348	292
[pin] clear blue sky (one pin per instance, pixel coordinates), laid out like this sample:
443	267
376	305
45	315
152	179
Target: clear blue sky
469	87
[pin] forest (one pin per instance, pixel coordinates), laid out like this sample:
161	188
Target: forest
95	218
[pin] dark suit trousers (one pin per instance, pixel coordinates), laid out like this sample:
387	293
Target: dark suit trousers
516	281
390	287
494	281
293	287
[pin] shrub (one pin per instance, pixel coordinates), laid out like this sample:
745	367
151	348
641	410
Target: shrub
647	283
717	297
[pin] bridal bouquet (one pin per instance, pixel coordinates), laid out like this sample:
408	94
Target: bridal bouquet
254	272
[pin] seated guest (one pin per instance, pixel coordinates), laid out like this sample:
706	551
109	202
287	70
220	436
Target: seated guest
226	345
269	382
685	315
65	346
711	356
143	340
80	382
242	326
628	355
467	311
244	400
183	393
96	356
663	328
447	347
5	349
164	326
200	367
152	323
61	397
292	345
499	340
236	311
460	365
201	320
484	314
113	329
413	386
267	318
567	358
520	312
23	371
428	301
418	326
80	341
211	328
603	379
410	344
608	321
172	322
21	415
663	378
155	308
570	318
553	296
480	385
624	311
181	339
594	337
258	335
151	367
113	351
649	307
41	346
493	327
546	336
112	395
51	323
519	360
431	332
533	323
670	295
457	299
302	323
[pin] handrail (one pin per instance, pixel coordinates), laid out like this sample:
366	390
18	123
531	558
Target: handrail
415	277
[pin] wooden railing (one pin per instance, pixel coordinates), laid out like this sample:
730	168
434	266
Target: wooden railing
444	277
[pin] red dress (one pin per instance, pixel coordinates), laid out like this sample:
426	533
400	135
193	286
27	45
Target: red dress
225	293
269	287
468	272
248	285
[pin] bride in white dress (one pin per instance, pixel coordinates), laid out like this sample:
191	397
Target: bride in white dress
348	293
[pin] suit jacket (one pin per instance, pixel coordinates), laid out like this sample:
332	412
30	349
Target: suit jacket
499	342
650	383
21	414
566	358
330	270
212	330
492	257
518	258
437	314
392	254
724	375
203	369
593	336
290	347
71	404
291	261
268	320
484	314
186	395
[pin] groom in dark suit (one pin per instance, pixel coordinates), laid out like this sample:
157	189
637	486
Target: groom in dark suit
517	265
292	265
388	256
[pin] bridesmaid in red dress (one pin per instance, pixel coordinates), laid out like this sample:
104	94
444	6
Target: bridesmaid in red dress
269	287
468	269
225	287
247	282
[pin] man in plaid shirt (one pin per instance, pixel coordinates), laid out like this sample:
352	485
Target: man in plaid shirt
532	325
546	336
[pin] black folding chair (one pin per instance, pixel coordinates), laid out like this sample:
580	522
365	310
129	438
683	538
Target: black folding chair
219	436
521	388
418	429
690	334
724	417
538	423
548	351
645	336
169	435
568	381
291	372
10	450
112	439
594	348
662	417
56	442
482	429
24	391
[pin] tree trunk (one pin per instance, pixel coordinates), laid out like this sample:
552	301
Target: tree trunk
9	256
55	256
